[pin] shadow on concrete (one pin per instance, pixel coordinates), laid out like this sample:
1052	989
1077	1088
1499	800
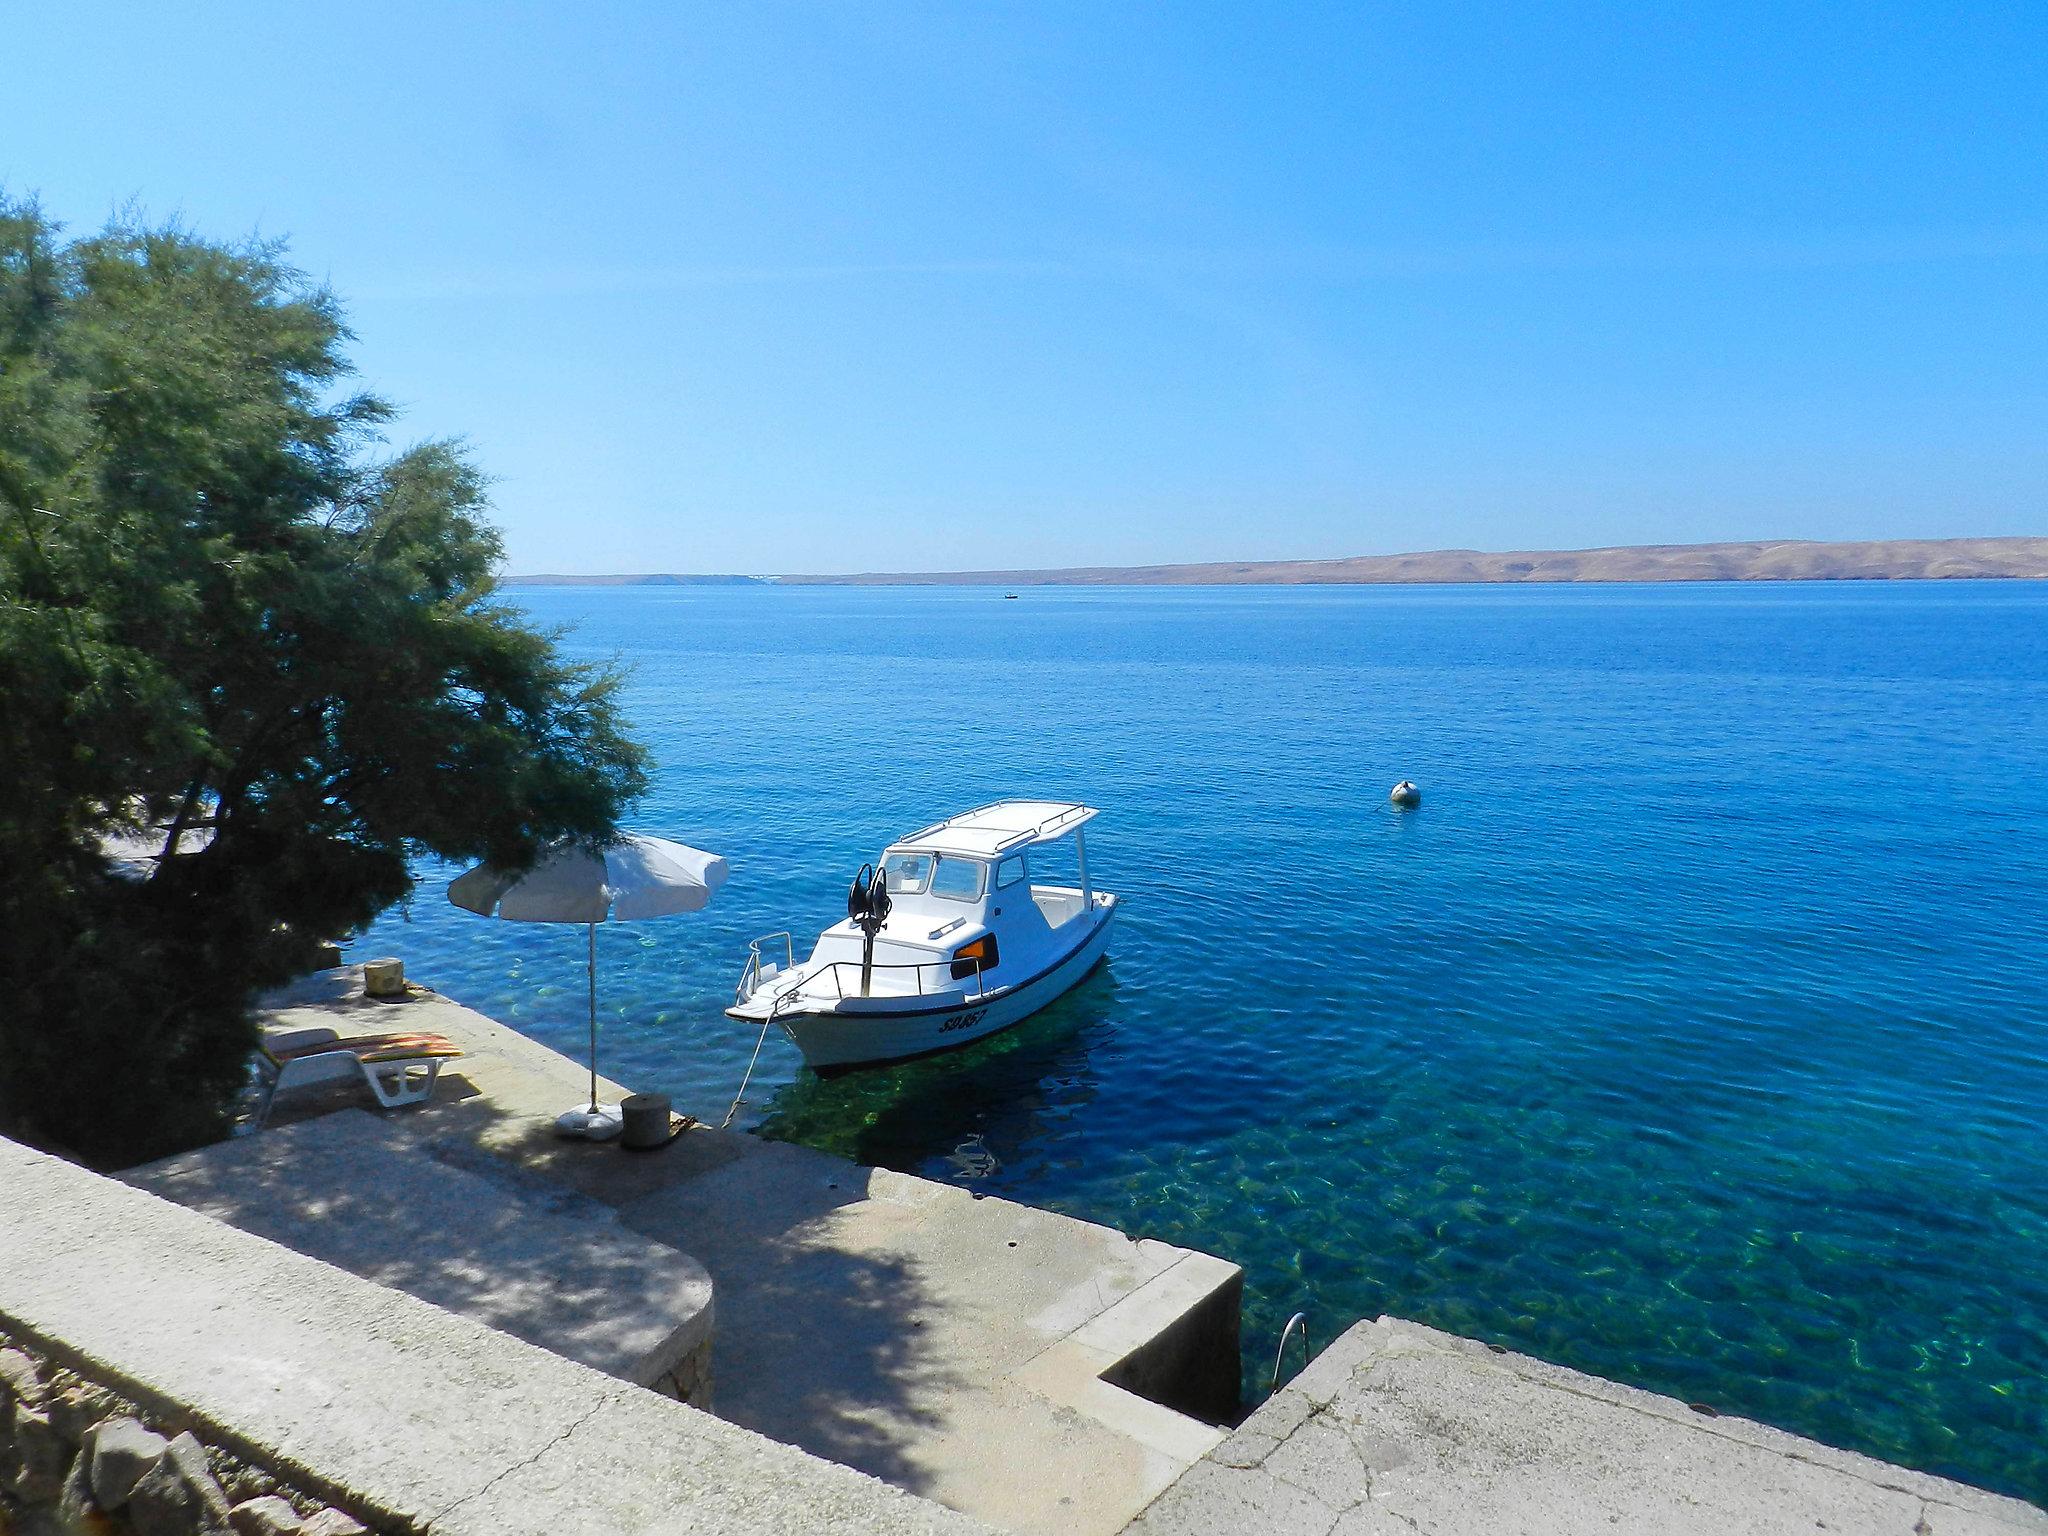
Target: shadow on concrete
867	1318
828	1335
824	1331
478	1237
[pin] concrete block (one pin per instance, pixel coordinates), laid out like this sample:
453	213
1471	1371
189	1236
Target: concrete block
120	1452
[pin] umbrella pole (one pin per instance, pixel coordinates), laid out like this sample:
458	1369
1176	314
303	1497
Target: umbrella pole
590	966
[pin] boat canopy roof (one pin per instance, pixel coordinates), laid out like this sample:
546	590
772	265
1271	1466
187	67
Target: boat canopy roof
1003	827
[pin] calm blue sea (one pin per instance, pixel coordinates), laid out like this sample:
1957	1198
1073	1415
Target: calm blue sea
1692	1032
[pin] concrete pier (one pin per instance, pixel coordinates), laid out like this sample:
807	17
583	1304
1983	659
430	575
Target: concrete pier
412	1418
1397	1429
1042	1373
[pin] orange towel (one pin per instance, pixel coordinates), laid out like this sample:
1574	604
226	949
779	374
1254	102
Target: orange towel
400	1047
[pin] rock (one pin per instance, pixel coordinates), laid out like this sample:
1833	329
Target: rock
40	1520
20	1381
76	1409
332	1522
178	1496
77	1513
267	1516
40	1457
240	1481
122	1452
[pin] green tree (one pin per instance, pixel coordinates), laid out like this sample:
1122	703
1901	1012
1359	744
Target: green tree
230	620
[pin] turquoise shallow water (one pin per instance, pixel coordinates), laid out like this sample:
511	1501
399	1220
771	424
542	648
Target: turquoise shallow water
1692	1032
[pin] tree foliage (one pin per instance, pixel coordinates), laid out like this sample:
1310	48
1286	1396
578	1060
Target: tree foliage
231	621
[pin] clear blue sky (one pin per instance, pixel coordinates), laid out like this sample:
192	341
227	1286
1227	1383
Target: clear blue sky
854	286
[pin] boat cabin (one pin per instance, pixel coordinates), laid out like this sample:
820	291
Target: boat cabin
964	911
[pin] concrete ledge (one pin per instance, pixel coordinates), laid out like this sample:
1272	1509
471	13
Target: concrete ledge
1148	1367
1176	1338
412	1418
1399	1428
533	1260
952	1344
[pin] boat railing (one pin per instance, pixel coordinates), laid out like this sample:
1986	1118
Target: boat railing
756	971
916	968
1046	828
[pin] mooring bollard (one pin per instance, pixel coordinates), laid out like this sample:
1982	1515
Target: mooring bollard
384	977
646	1121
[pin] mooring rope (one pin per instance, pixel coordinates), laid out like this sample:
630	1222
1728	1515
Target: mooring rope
741	1097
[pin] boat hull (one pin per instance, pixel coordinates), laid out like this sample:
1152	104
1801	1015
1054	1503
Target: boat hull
837	1040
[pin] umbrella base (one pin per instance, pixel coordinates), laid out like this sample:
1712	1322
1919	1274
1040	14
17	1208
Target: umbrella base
600	1124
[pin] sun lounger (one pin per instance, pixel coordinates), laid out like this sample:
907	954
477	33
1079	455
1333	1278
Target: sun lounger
400	1068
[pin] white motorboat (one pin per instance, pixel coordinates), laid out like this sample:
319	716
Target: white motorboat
946	941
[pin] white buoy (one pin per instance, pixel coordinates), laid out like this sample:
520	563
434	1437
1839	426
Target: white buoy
1406	794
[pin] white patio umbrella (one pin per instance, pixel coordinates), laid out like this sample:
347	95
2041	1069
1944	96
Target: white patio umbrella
638	876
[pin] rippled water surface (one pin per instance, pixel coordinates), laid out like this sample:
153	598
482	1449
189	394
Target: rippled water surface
1692	1032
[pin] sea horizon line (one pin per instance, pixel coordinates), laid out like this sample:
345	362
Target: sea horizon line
2022	557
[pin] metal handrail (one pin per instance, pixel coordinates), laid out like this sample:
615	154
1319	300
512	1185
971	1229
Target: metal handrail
1039	831
750	974
919	966
1299	1320
1035	831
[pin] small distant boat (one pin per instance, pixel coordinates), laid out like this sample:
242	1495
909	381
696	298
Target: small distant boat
1009	597
946	941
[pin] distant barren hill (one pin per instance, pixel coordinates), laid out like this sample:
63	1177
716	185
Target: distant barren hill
635	581
1771	560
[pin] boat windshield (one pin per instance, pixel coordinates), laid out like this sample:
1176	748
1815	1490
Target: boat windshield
908	873
959	879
